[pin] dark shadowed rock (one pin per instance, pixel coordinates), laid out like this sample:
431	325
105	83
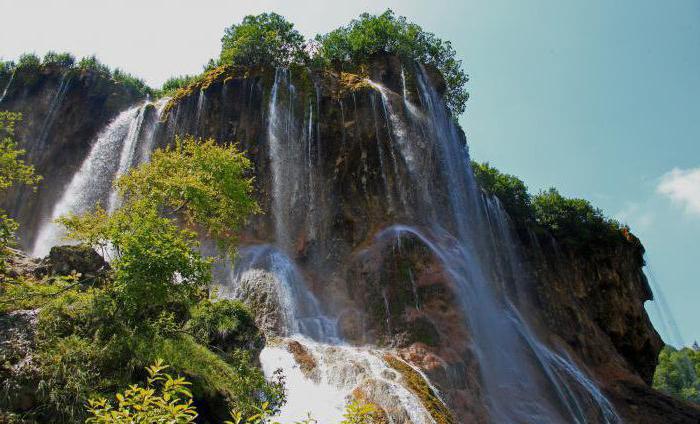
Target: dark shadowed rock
82	259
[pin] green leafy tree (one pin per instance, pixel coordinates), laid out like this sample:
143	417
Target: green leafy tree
164	400
369	35
265	39
204	183
29	61
574	221
677	373
13	170
65	60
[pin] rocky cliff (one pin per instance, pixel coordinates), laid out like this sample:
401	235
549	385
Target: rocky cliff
63	110
376	234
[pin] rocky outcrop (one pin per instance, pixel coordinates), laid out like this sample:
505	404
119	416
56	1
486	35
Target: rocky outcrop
80	259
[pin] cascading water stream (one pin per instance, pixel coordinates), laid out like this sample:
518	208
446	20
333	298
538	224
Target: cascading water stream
7	87
340	369
51	114
523	380
111	155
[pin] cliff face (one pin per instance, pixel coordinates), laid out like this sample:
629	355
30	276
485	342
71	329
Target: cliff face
63	111
373	210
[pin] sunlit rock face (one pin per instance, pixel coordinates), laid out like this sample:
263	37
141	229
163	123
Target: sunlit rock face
376	243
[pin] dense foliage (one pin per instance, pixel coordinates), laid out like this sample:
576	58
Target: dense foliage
265	39
368	35
172	84
13	171
95	334
268	39
678	372
29	65
575	223
164	400
205	183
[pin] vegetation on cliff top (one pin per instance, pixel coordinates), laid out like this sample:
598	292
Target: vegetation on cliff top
575	223
269	40
29	66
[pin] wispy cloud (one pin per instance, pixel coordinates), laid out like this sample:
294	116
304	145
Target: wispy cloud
682	186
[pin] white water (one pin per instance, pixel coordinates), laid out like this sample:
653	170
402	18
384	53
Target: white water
111	155
265	268
51	114
7	87
523	380
339	371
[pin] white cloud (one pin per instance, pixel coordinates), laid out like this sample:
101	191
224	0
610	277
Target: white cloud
682	186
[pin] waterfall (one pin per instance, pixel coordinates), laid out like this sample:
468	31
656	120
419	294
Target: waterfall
523	380
265	269
7	87
111	155
51	114
336	372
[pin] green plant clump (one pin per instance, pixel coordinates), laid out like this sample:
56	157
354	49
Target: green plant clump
575	223
94	336
265	39
368	35
678	373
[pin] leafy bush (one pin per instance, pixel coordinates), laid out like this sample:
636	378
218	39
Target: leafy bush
164	400
369	35
206	183
574	221
132	82
28	61
93	337
678	373
65	60
155	263
92	63
223	324
510	190
171	85
265	39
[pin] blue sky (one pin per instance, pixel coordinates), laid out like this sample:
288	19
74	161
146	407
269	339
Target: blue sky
599	98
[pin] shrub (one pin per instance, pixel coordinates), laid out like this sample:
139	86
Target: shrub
677	373
265	39
164	400
136	84
369	35
91	63
28	61
510	190
171	85
64	60
205	183
13	171
574	222
223	324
